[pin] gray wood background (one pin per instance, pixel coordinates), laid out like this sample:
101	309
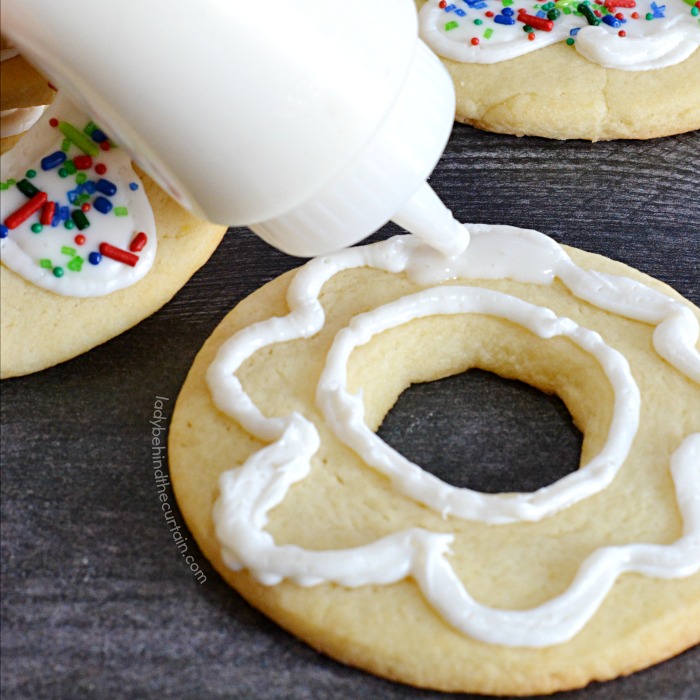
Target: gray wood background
97	601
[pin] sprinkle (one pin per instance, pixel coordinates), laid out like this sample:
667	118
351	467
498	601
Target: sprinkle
133	186
103	205
95	258
45	263
503	19
53	160
75	264
545	25
69	224
53	122
586	11
67	250
82	162
474	41
100	168
78	139
105	145
106	187
140	239
26	210
612	21
70	167
47	213
80	239
451	25
123	256
488	33
121	211
58	271
37	228
27	188
30	173
4	231
80	220
97	135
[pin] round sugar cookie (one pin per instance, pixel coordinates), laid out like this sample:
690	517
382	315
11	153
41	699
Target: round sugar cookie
301	508
44	321
635	74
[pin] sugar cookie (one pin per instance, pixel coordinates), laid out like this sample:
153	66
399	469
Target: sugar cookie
89	247
613	69
344	542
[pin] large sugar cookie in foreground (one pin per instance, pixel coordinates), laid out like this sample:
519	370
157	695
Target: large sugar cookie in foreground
369	558
609	69
89	247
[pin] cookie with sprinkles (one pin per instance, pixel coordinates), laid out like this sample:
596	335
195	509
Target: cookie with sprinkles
89	246
587	69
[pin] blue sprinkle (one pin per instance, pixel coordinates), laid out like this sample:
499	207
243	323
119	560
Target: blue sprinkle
450	8
574	31
460	13
541	13
103	205
98	136
658	11
507	11
4	231
73	194
106	187
133	186
612	21
53	161
95	258
503	19
89	186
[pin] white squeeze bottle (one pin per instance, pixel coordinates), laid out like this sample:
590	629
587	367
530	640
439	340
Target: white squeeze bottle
314	122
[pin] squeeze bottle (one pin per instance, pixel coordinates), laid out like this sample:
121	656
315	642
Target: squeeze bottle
313	122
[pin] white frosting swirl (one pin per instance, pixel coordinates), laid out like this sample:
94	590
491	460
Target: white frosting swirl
36	255
248	493
648	35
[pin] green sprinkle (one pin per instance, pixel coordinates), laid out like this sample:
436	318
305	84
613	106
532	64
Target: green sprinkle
650	15
65	146
695	12
78	139
69	165
81	178
507	3
89	128
488	33
4	186
69	224
79	218
528	29
451	25
81	199
62	172
58	272
30	173
37	228
67	250
478	21
27	189
570	41
553	14
75	264
121	211
45	263
11	181
567	10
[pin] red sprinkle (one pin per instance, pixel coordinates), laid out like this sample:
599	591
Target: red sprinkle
26	210
100	168
622	33
138	242
531	36
536	22
53	122
79	239
86	207
442	5
610	4
123	256
635	15
47	213
83	162
105	145
489	13
475	41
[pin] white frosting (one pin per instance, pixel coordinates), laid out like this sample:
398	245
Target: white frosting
23	250
249	492
670	37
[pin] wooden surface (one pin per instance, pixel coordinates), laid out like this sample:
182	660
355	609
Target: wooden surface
96	599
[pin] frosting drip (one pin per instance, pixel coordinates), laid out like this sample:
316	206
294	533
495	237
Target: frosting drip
90	229
248	493
621	34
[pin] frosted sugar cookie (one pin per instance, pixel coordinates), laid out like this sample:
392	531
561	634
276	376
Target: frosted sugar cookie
597	69
346	543
89	247
24	93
